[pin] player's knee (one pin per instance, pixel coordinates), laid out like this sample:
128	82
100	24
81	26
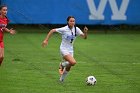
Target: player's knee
73	63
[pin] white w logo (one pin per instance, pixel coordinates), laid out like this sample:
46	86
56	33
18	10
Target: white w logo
97	13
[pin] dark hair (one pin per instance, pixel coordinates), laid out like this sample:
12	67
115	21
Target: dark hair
68	18
2	6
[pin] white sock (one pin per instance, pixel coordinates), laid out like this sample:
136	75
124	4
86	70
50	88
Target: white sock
66	63
62	77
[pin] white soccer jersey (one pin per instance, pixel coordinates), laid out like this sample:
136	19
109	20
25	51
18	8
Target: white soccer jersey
68	37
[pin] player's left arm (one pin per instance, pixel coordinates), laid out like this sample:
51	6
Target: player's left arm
11	31
84	35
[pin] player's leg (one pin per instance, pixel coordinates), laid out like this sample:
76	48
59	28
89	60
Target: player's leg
68	67
1	52
67	61
69	58
64	63
1	55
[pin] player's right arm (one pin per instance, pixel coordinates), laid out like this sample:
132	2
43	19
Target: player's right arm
45	42
11	31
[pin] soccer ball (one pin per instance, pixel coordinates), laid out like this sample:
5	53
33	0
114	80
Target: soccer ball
91	80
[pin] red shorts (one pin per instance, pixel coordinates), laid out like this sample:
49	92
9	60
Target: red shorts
1	45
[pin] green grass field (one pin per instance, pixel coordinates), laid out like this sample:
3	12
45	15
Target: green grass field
114	59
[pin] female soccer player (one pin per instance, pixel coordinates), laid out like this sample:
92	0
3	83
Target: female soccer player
69	34
3	23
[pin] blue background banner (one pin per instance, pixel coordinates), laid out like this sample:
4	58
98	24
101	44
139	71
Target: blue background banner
91	12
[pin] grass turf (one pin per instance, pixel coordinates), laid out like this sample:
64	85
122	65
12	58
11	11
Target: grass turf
112	58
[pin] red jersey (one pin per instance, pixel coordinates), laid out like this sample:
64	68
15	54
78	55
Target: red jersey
3	24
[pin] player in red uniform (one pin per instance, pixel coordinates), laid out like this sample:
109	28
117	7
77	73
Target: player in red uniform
3	23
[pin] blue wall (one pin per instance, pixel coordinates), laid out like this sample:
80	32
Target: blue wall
85	11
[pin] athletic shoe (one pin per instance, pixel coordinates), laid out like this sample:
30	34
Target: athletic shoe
61	69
